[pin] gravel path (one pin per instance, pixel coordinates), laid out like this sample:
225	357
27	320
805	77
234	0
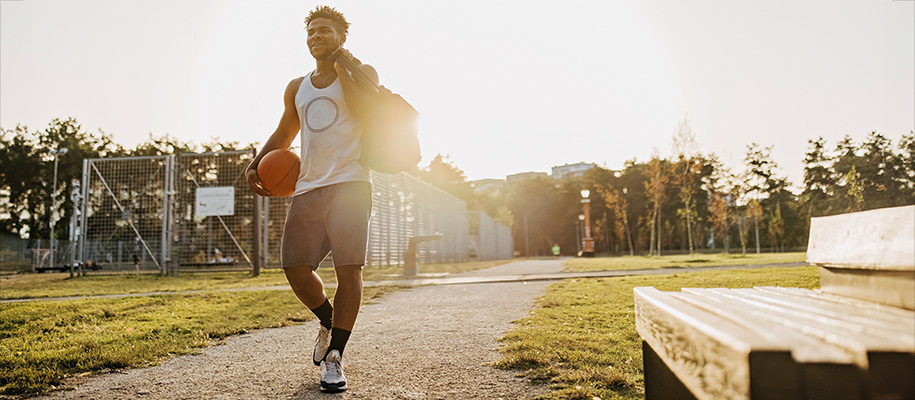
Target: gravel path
430	342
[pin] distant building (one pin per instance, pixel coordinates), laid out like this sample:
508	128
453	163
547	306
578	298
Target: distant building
487	185
523	175
567	170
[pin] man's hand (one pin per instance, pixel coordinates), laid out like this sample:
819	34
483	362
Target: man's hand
254	182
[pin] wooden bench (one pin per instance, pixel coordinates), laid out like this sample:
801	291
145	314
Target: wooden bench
852	339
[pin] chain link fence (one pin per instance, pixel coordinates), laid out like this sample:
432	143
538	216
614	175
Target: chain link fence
206	236
194	212
122	213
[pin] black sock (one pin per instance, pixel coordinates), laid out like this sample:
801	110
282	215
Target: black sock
325	314
338	339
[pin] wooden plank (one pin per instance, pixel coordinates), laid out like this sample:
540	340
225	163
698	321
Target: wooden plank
893	324
877	239
795	343
839	330
717	354
894	288
777	325
701	349
853	304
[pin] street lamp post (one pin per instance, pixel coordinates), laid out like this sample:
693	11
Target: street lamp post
52	210
579	227
588	250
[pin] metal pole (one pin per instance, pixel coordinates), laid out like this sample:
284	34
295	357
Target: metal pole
258	221
51	208
83	216
527	242
166	202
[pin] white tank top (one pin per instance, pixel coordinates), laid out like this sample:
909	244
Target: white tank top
331	144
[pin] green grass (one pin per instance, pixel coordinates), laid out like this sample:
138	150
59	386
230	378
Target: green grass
678	261
60	284
581	338
44	343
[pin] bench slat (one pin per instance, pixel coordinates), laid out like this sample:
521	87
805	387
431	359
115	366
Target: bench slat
876	239
802	347
884	324
718	358
835	329
893	313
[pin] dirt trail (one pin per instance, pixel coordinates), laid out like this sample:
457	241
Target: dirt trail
430	342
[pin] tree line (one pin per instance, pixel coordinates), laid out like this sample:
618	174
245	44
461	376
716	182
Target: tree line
27	170
691	202
685	202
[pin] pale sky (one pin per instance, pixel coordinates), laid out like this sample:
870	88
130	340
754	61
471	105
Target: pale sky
502	86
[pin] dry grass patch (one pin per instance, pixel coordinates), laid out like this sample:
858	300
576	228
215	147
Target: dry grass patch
679	261
581	338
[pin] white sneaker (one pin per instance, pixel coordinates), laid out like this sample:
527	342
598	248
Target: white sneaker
332	379
322	342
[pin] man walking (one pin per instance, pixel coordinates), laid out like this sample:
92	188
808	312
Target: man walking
332	204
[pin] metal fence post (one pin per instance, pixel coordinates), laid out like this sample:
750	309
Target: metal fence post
258	231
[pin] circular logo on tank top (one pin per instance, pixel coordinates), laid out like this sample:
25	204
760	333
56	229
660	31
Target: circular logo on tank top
321	113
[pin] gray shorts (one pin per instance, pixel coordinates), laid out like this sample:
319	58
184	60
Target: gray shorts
331	218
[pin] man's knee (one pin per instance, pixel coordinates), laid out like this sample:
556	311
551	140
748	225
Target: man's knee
348	273
304	281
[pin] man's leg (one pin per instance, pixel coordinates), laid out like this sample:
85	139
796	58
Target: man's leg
307	286
347	300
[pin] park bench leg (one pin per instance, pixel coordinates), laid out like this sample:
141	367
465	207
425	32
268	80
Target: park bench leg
660	381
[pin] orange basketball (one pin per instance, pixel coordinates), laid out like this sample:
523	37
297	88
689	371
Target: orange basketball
279	170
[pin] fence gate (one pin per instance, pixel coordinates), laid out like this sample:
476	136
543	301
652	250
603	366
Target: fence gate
215	212
124	212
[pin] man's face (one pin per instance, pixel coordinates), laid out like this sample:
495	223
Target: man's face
323	38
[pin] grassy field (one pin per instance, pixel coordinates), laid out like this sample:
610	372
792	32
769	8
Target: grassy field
44	343
679	261
581	338
60	284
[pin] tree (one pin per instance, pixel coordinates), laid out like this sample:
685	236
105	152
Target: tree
656	187
855	190
27	172
754	212
719	217
615	201
775	227
818	179
687	169
907	163
766	188
538	215
443	174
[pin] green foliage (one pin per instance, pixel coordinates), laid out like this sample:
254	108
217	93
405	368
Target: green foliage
582	339
27	169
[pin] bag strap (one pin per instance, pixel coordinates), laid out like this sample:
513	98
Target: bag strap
357	73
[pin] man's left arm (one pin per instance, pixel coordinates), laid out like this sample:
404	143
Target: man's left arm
358	99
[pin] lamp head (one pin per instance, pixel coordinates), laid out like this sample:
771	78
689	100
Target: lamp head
585	193
581	217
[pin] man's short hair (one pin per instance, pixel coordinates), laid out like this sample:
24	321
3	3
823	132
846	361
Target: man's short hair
329	13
